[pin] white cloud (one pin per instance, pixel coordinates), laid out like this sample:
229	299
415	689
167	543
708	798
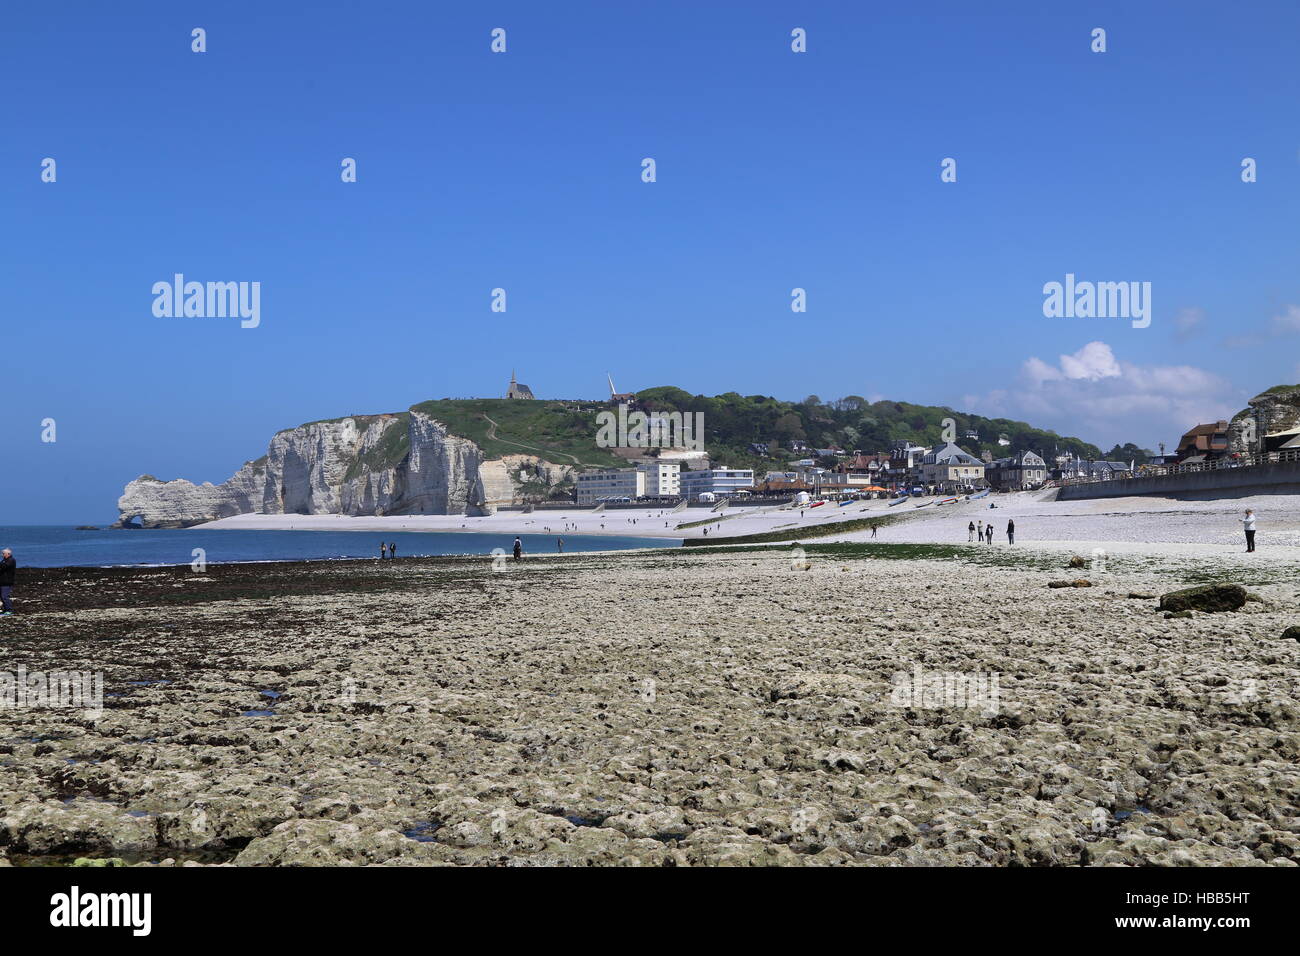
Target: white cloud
1093	395
1094	361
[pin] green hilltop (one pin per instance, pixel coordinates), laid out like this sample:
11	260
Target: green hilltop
565	431
732	422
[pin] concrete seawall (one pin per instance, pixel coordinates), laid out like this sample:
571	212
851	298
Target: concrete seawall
1279	478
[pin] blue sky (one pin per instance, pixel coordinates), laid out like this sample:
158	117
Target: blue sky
522	170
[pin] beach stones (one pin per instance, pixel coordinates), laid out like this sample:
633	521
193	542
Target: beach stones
1077	562
1079	583
1292	633
1211	598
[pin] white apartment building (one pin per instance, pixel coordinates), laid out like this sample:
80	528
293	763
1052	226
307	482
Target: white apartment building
720	482
597	486
663	479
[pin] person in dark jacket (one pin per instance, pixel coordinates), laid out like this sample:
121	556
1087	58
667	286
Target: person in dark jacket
1011	531
519	548
7	566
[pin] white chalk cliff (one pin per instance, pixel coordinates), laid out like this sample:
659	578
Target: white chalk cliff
406	463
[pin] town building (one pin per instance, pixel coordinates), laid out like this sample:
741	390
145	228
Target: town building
1098	470
663	479
719	482
611	484
1017	472
949	468
1205	442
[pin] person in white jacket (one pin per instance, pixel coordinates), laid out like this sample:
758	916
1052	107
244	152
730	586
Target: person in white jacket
1248	523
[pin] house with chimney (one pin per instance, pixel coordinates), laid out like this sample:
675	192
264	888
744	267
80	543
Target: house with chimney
1020	472
949	468
1205	442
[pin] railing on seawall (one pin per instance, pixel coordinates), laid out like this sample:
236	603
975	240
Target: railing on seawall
1221	464
1276	472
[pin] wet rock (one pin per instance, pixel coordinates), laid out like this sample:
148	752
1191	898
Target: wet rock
1211	598
326	843
53	828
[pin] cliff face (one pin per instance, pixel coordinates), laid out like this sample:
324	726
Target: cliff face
365	465
1277	410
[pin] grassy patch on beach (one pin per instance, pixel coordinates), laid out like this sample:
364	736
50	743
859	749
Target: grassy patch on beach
796	534
1025	560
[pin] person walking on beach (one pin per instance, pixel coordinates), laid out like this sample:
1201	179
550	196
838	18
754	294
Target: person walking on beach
1011	531
519	548
7	566
392	549
559	543
1248	523
970	532
874	529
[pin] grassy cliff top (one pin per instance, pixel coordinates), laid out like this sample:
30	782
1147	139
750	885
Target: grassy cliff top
560	432
1277	391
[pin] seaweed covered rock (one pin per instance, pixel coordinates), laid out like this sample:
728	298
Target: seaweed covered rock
1211	598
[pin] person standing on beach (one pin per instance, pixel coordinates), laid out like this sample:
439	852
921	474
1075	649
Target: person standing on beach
1248	523
392	549
874	529
7	567
979	532
383	550
970	532
559	543
1011	531
519	548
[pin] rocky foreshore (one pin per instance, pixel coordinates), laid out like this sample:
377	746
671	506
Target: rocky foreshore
664	708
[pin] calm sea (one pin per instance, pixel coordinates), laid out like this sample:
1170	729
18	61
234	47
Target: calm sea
49	546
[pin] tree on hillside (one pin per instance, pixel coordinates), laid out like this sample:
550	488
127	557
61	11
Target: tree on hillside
1129	452
789	427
